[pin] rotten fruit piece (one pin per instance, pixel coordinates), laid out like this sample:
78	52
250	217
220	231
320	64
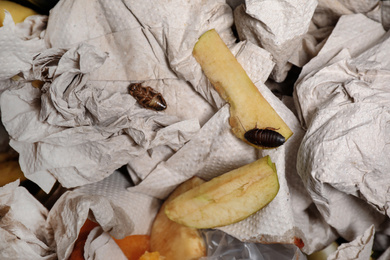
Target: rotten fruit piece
172	240
249	110
228	198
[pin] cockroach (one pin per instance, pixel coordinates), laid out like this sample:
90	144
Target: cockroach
147	97
267	137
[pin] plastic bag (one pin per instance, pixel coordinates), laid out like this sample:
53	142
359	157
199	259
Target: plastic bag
221	246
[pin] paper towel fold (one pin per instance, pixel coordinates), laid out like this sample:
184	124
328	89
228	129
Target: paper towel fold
325	17
277	26
63	100
117	211
100	246
328	12
352	35
19	45
143	47
112	26
360	248
23	230
29	231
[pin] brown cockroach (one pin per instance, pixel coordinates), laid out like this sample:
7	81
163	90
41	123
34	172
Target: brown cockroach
147	97
266	137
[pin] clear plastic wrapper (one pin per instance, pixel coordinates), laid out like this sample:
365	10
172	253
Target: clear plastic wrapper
221	246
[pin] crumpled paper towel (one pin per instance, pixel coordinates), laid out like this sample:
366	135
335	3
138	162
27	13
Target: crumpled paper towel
86	105
360	248
308	31
345	40
100	246
26	42
328	12
342	96
166	40
71	127
26	39
277	26
24	233
325	17
29	231
118	212
114	29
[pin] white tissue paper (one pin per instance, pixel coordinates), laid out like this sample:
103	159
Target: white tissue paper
342	97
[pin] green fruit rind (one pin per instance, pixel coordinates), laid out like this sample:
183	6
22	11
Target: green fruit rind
228	198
